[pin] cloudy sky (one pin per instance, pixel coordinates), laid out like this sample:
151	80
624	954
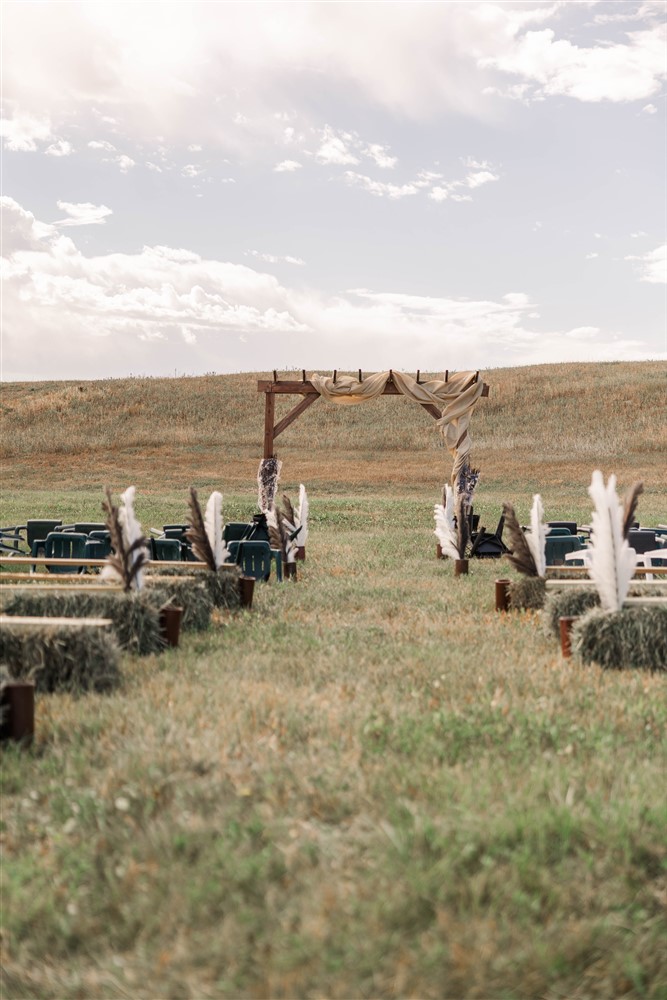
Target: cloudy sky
195	187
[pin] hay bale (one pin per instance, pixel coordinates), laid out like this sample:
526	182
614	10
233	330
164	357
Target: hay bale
567	602
58	658
192	596
135	616
223	586
633	638
527	593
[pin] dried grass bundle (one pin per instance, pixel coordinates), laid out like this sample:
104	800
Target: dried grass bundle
567	602
58	658
223	585
135	616
528	593
192	596
633	638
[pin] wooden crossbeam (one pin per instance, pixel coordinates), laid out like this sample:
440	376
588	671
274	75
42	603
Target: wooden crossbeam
304	387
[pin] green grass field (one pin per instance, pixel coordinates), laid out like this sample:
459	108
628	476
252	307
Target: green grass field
372	785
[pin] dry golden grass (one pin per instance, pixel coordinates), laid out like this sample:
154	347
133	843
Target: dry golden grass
373	785
542	424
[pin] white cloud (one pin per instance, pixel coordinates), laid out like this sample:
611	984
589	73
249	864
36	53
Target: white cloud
102	144
652	266
59	148
272	259
20	229
649	109
479	177
82	214
334	147
606	72
194	148
380	155
380	189
124	162
212	314
23	132
287	166
191	170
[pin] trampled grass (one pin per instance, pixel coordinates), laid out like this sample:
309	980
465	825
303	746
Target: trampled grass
373	785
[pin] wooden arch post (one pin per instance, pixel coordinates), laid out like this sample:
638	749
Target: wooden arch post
306	389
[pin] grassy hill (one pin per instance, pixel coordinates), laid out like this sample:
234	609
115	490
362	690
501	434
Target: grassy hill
542	426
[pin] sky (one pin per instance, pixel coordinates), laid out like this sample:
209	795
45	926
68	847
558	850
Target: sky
221	187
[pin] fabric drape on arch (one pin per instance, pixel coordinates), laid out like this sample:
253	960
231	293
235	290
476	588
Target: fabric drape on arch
455	398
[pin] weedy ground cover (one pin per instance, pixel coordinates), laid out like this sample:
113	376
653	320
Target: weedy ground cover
372	785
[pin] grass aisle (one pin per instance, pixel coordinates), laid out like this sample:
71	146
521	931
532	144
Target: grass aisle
371	786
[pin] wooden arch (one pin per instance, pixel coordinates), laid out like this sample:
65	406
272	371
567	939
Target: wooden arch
305	388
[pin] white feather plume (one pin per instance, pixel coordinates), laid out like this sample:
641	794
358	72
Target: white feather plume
132	533
537	537
445	528
214	528
612	561
301	514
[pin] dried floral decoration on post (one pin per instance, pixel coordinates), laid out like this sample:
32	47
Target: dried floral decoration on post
452	516
205	531
129	557
613	562
268	475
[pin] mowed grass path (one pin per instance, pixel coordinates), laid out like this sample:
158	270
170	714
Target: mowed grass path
371	786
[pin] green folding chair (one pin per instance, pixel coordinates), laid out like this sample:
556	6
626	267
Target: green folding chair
65	545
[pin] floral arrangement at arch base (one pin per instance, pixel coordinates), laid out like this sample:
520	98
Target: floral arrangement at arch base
452	516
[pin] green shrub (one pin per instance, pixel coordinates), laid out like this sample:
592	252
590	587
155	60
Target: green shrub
632	638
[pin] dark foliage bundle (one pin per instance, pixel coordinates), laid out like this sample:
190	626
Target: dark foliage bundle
197	534
633	638
561	603
193	597
135	616
129	555
282	529
72	660
519	553
528	593
630	506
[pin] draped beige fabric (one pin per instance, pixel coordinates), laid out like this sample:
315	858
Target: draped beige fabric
455	398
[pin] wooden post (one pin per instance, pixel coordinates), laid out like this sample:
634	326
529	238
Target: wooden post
360	378
269	415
